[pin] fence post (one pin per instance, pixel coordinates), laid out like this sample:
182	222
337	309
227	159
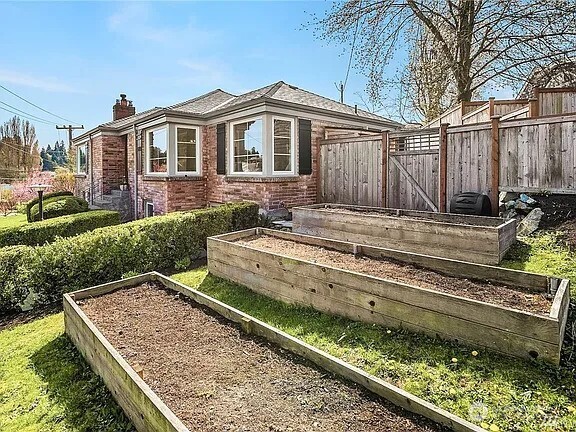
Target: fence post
384	169
491	105
442	168
495	174
533	108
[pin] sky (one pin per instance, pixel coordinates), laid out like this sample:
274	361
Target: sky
73	59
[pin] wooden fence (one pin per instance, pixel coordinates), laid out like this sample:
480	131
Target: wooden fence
351	170
424	168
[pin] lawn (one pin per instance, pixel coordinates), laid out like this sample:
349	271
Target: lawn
45	385
12	220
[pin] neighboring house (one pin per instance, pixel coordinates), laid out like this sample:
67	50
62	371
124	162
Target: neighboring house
218	147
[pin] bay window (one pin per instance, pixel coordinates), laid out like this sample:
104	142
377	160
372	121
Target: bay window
82	159
262	146
173	150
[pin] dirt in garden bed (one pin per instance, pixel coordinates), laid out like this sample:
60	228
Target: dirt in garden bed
526	300
216	378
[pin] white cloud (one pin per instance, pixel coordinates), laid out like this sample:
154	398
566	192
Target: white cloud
48	84
136	21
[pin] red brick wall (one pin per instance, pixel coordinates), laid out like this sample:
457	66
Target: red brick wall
175	194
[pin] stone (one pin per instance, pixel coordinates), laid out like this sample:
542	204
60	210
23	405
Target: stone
510	204
520	205
526	199
510	214
530	223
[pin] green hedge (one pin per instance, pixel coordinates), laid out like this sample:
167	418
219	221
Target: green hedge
47	196
46	231
105	254
59	206
13	263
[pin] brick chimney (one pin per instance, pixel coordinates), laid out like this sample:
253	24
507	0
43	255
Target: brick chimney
122	108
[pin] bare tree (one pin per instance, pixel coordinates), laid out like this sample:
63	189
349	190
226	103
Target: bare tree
18	148
474	42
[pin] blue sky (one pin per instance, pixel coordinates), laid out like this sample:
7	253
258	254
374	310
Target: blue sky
75	58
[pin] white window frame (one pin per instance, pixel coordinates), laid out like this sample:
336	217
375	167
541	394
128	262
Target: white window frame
198	150
85	146
147	205
231	148
292	147
147	150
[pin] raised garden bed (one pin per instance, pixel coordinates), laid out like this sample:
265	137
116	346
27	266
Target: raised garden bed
174	361
513	312
478	239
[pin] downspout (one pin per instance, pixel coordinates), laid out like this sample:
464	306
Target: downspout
91	165
135	172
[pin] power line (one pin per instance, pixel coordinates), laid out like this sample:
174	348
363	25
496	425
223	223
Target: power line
28	114
21	115
34	105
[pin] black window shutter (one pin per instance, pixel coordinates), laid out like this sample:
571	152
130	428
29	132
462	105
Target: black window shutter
221	148
304	147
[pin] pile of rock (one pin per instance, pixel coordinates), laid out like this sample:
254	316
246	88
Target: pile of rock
524	209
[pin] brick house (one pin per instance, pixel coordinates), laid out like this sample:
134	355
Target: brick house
218	147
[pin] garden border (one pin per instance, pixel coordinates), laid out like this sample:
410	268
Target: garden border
149	413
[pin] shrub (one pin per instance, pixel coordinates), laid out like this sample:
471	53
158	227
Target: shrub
105	254
13	290
46	198
59	206
46	231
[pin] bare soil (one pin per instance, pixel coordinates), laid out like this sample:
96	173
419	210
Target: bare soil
524	299
216	378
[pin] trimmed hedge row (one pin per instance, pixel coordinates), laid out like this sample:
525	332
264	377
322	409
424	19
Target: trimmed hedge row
59	206
46	231
105	254
46	197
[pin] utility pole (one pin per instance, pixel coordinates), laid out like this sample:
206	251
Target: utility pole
340	88
70	128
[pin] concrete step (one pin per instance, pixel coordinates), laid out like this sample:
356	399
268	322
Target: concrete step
119	193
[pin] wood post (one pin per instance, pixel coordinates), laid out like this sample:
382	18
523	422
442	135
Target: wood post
536	108
385	169
491	106
495	174
443	168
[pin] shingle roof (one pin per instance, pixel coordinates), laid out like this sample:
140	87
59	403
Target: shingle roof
204	103
218	100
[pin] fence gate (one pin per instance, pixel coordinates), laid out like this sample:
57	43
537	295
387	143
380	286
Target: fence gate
412	166
351	170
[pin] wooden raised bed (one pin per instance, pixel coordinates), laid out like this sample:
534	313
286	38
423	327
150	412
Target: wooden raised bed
388	302
478	239
149	413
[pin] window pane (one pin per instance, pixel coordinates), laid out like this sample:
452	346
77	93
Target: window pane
158	151
282	163
247	146
82	159
186	164
282	128
158	165
282	145
186	150
186	135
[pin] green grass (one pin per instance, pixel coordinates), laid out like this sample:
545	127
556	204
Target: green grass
45	385
487	389
12	220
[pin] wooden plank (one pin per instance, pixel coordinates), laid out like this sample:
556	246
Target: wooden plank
495	167
414	184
